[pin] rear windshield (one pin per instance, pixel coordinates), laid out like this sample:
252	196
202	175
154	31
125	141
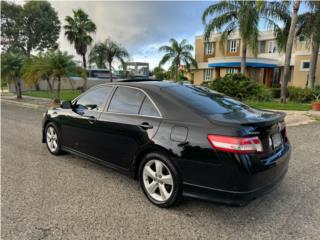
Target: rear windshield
205	100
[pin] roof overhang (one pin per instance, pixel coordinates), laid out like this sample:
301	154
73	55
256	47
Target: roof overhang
236	62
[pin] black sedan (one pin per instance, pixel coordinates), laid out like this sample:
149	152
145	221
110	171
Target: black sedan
176	139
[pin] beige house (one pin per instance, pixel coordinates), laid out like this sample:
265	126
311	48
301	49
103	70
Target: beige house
266	67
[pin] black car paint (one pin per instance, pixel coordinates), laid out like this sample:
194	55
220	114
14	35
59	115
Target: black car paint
119	141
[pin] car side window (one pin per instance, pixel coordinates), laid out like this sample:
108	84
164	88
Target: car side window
126	100
148	109
94	99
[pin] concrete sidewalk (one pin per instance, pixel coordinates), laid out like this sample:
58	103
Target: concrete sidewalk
293	118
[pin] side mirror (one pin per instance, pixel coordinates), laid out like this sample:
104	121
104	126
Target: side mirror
66	105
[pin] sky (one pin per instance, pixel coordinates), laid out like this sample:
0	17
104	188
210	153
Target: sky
140	27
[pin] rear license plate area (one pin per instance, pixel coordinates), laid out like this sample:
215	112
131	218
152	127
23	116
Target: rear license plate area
276	139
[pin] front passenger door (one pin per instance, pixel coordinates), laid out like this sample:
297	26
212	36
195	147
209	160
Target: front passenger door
80	128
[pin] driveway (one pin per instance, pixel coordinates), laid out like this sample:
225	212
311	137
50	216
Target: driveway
66	197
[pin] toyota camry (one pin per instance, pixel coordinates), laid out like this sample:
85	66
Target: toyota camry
178	140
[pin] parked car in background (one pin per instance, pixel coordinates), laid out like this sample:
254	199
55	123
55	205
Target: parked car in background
176	139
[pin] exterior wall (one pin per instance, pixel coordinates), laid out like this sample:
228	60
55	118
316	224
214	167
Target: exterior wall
300	76
301	51
198	76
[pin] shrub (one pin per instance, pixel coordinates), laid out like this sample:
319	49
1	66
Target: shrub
240	87
303	95
316	93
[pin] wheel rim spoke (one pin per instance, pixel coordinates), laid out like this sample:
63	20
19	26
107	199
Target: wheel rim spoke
163	192
149	172
152	187
167	179
159	167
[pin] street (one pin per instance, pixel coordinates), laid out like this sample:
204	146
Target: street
67	197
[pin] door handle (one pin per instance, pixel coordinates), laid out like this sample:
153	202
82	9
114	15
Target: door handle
91	119
146	126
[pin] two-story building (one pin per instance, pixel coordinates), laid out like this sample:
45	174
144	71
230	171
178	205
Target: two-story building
266	67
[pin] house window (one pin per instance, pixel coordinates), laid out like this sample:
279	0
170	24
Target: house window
262	46
232	70
305	65
272	46
207	74
208	48
232	46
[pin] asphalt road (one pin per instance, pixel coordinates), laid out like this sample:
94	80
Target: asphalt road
66	197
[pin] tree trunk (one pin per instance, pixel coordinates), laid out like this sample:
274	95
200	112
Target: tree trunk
286	74
243	57
18	89
84	61
37	86
49	84
313	63
110	68
58	89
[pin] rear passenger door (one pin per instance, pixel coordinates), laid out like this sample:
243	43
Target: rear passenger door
130	121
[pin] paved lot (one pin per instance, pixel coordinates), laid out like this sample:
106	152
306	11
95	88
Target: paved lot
66	197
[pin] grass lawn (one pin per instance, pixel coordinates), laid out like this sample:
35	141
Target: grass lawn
280	106
64	94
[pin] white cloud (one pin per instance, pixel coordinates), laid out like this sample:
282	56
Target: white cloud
141	27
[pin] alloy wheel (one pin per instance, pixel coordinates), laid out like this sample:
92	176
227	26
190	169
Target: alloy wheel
158	180
52	139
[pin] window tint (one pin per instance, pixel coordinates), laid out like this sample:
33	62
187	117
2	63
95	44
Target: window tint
94	99
126	100
148	109
205	100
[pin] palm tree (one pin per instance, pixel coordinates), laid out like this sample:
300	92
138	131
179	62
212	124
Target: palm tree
286	74
244	16
33	71
312	31
178	54
78	30
109	51
98	55
11	65
56	65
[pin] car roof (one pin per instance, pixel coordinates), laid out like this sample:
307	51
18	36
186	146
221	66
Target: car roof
144	84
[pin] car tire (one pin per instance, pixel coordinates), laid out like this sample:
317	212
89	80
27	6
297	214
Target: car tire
52	139
160	180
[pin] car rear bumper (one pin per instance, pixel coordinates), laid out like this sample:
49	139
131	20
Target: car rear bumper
273	177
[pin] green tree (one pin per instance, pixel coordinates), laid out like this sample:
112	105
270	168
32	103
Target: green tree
35	26
78	31
55	65
33	71
11	65
245	16
111	51
178	54
98	55
159	73
291	35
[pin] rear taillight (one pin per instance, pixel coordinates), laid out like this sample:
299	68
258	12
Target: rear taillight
241	145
